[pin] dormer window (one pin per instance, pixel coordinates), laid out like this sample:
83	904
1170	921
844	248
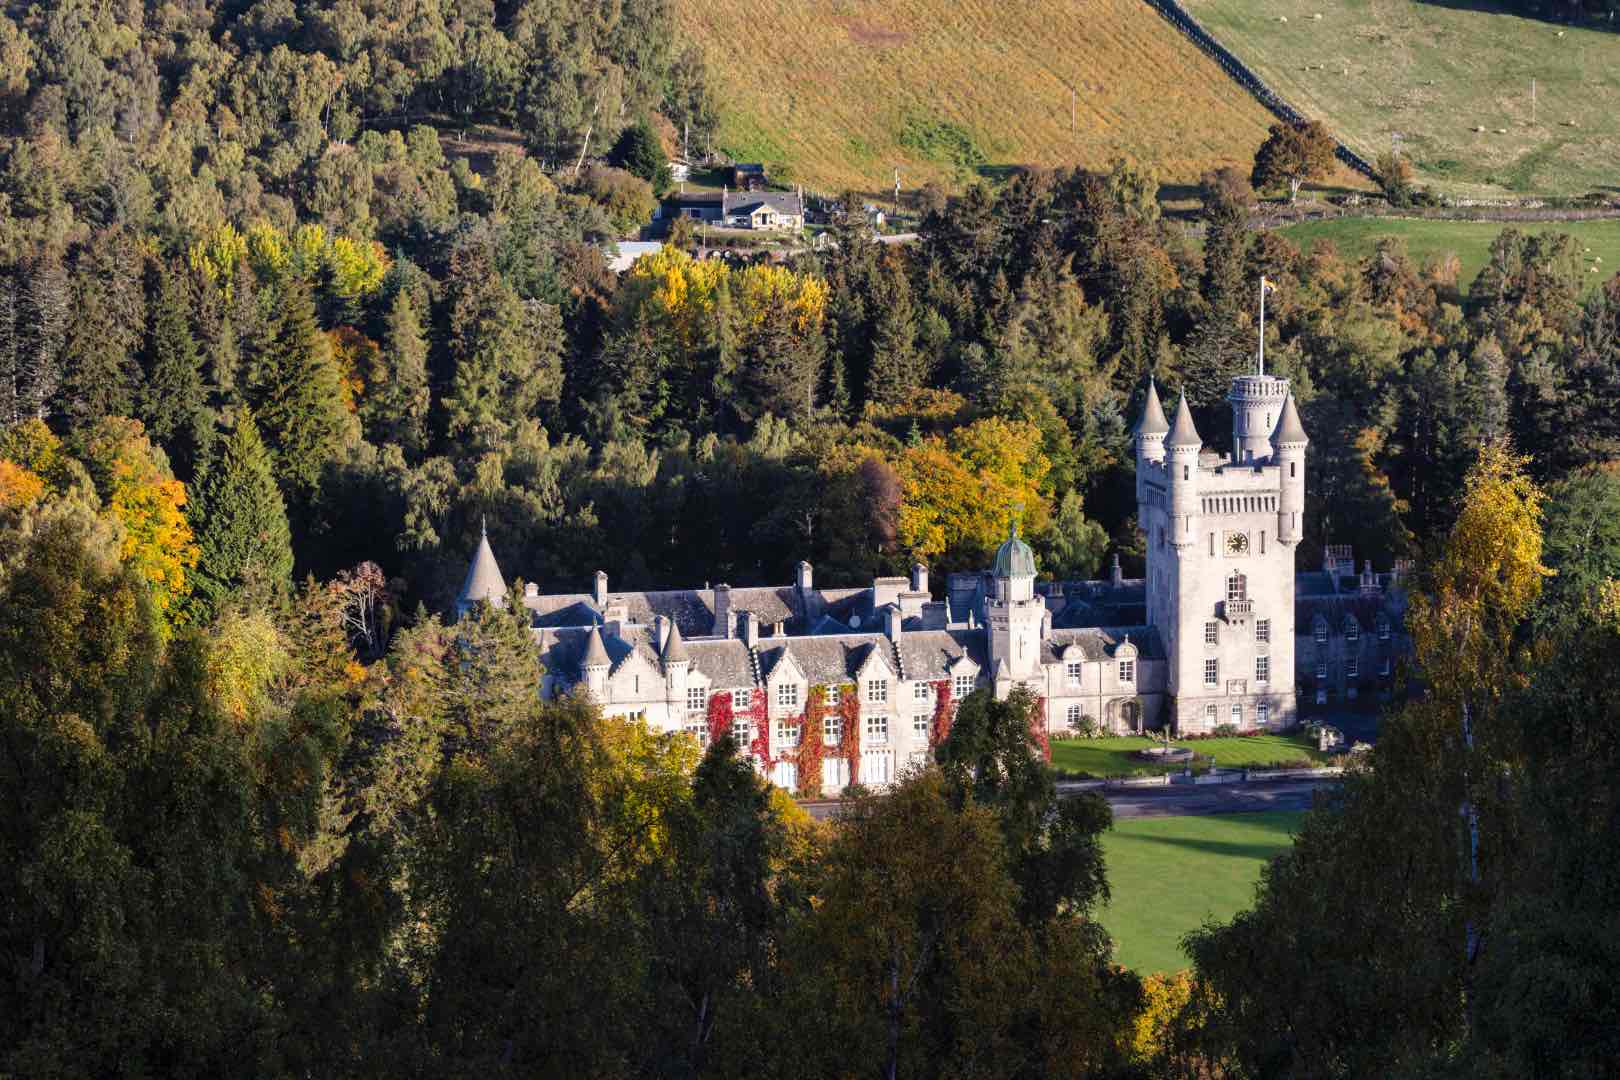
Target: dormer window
921	691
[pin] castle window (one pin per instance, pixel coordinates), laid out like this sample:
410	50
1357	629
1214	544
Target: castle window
1383	667
1262	630
1210	716
1293	469
1072	671
1383	628
1212	633
787	734
1074	716
1352	668
832	696
1321	669
787	695
1237	587
1321	633
920	723
832	729
1212	671
698	730
877	690
1321	695
961	686
740	733
1237	715
1262	541
877	729
1262	714
1127	671
1262	669
921	691
742	699
697	699
1352	630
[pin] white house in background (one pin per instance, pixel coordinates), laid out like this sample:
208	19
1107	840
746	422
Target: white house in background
628	251
1206	639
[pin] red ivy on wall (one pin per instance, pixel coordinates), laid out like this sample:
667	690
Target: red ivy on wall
719	719
809	756
849	710
760	747
1037	729
943	712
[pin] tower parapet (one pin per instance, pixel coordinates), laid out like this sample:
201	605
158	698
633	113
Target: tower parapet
1257	401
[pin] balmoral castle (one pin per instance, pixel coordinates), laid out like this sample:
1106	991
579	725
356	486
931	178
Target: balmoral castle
1223	630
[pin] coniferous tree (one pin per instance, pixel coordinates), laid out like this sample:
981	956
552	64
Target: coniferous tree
301	400
242	534
172	400
896	361
101	374
396	405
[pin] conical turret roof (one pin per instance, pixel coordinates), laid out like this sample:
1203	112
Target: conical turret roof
1153	421
1183	432
595	652
1289	429
484	581
675	649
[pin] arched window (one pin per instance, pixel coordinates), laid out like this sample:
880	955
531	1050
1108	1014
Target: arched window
1237	586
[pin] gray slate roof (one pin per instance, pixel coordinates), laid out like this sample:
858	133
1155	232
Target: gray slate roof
1153	421
1184	433
746	202
726	663
484	580
928	654
690	609
1101	642
824	660
1289	429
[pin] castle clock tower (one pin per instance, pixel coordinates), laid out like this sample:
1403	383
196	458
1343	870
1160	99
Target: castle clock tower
1221	531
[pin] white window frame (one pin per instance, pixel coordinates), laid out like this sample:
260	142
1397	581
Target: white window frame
877	691
743	732
1237	714
1262	669
788	734
1321	669
1212	671
877	730
697	729
1073	671
742	699
1211	715
832	729
1127	670
787	695
697	699
1383	628
1352	667
1262	714
1075	714
961	686
1383	667
1212	632
1262	630
1237	586
921	723
1321	633
1352	631
921	691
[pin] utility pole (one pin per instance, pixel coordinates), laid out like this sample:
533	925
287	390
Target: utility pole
897	189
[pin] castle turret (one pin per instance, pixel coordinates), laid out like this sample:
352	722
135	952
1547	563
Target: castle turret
483	581
595	664
1182	447
1288	444
1150	433
1015	613
1256	402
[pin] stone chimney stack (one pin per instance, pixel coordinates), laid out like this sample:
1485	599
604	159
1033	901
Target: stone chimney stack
892	622
919	578
600	592
748	628
1116	576
722	610
804	579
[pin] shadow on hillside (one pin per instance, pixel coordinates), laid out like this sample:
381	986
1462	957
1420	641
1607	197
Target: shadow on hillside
1546	13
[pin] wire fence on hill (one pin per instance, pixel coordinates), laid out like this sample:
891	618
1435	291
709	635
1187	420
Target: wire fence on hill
1182	20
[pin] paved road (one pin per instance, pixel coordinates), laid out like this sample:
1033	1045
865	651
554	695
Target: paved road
1180	799
1186	799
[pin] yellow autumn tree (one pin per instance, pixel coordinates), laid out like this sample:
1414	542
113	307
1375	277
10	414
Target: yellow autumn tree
20	488
679	287
762	288
138	490
959	493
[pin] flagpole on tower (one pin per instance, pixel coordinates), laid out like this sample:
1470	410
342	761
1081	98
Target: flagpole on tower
1265	287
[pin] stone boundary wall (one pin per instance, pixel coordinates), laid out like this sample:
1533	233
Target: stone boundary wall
1240	72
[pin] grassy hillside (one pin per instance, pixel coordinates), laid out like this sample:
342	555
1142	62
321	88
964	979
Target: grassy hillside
1435	71
1170	874
842	91
1470	241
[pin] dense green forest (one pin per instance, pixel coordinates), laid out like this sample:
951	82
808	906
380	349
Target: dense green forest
275	340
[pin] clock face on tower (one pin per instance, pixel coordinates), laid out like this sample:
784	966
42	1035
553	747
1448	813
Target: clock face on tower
1237	543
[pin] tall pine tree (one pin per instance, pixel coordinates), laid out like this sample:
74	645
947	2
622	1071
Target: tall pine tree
241	521
396	403
172	400
301	398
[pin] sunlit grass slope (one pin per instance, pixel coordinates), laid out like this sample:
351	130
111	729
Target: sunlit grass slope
1433	72
841	92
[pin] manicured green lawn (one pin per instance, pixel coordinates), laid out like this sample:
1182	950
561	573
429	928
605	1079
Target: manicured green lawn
1470	241
1170	874
1116	756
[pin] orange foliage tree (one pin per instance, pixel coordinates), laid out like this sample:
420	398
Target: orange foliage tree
720	716
811	742
849	711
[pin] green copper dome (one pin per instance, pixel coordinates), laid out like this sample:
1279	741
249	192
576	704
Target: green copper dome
1014	558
